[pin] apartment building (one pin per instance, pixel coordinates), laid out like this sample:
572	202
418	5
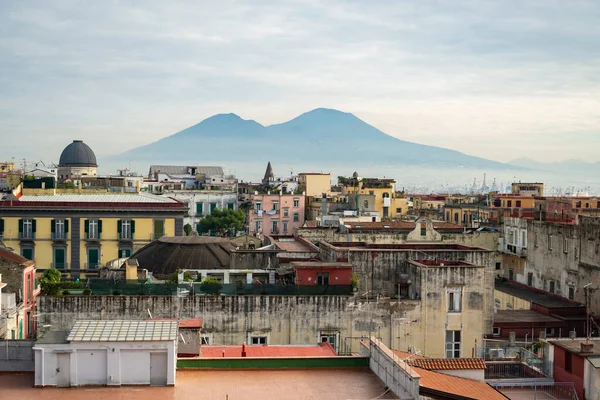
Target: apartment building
273	214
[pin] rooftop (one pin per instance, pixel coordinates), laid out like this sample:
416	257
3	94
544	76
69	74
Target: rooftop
402	225
294	246
121	331
53	337
363	246
318	350
99	198
9	255
442	263
534	296
320	264
290	384
183	169
574	345
194	323
437	364
523	316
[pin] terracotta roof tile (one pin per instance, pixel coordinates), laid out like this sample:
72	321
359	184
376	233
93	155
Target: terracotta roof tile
461	387
194	323
436	364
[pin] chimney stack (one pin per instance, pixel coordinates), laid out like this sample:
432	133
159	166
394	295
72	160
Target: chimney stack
244	350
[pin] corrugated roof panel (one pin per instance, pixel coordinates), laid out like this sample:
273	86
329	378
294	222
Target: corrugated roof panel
88	331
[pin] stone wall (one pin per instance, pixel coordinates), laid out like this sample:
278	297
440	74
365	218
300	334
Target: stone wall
285	319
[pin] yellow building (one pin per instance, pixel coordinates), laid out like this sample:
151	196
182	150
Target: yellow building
78	233
7	166
387	202
527	189
315	184
468	215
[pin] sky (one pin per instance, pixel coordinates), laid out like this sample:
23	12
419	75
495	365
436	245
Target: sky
497	79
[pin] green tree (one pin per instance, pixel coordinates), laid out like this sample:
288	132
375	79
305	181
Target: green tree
50	282
187	229
222	222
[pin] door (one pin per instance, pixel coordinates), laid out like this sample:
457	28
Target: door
59	258
63	370
93	258
92	367
158	369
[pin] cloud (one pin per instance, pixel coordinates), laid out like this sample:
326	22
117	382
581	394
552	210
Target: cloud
495	79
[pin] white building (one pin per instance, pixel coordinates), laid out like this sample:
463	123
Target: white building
109	353
202	202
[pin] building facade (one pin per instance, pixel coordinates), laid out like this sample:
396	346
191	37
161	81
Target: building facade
79	233
201	203
273	214
315	184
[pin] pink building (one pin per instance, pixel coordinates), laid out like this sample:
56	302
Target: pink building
276	214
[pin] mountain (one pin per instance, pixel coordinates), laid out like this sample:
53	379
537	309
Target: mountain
320	136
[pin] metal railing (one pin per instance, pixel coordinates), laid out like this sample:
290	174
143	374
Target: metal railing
62	265
503	362
93	235
125	236
541	391
59	235
26	235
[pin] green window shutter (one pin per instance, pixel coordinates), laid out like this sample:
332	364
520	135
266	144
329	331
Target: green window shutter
198	228
212	207
119	223
230	206
20	226
53	226
66	226
33	225
132	226
86	226
198	208
99	226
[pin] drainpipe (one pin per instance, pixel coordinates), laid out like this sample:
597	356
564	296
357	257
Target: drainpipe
43	374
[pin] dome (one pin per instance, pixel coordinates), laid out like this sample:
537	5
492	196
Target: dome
77	154
166	255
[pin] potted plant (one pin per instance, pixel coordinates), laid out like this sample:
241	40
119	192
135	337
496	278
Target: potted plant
354	282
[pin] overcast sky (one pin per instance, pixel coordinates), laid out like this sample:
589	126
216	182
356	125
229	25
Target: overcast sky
498	79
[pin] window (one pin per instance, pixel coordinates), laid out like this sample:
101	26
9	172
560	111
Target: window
496	331
511	275
258	206
59	258
296	217
568	361
578	204
206	339
27	228
509	306
398	211
260	338
454	301
549	242
213	206
1	226
551	286
93	257
258	224
59	228
518	203
159	228
322	278
565	245
93	228
275	205
199	208
549	331
497	304
275	227
509	203
286	212
230	206
530	278
124	253
571	293
498	266
125	229
330	337
27	252
371	192
285	227
296	203
452	344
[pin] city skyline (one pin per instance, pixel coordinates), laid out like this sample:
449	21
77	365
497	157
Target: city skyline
500	81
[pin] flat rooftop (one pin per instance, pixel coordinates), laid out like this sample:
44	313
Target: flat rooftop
574	345
289	384
523	316
320	264
318	350
534	296
443	263
363	246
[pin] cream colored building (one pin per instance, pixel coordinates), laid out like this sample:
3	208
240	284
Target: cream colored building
315	184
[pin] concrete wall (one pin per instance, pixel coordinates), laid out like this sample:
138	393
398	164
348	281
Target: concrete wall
505	301
254	259
16	355
283	319
116	363
474	374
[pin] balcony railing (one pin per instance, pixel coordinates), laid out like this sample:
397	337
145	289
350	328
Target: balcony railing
62	265
93	235
93	266
26	235
125	236
59	235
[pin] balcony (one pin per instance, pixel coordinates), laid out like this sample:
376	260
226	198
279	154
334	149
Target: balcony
93	266
514	250
125	237
92	236
59	266
59	236
26	235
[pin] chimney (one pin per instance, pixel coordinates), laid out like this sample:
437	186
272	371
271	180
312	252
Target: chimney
512	338
587	347
244	350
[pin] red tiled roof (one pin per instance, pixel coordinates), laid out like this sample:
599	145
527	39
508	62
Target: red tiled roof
449	363
194	323
462	388
14	257
319	350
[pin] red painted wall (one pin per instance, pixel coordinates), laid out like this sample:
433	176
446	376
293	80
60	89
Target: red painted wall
577	370
343	275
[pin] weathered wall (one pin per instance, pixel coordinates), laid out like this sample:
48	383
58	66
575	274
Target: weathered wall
505	301
16	355
285	319
254	259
